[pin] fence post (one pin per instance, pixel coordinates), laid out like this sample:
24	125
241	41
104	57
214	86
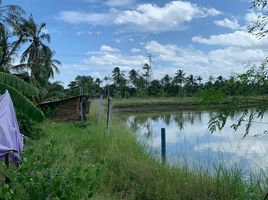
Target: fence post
163	144
81	111
109	112
7	166
100	109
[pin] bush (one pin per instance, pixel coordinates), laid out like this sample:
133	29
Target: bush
28	127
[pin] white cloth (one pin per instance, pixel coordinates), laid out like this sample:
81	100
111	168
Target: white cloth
10	137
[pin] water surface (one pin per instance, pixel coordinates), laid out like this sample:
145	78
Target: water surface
190	142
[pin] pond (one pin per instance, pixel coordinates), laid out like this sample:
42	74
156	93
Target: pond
189	142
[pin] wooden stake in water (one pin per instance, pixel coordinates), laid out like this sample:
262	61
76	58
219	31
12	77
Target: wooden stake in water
100	109
163	144
109	112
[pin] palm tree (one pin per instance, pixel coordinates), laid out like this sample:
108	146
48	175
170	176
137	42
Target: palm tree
48	66
5	51
199	79
118	77
165	81
119	80
191	80
55	91
8	49
211	79
107	80
179	78
220	78
133	77
10	14
35	54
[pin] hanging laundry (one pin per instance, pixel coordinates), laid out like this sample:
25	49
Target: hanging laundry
11	140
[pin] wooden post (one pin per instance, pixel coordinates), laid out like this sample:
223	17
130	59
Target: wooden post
163	144
100	109
109	112
81	110
7	166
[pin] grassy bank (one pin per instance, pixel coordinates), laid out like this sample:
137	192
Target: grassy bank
159	104
73	161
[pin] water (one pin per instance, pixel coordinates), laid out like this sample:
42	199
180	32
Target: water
189	142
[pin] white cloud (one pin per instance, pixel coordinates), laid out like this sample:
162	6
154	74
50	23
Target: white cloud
251	17
234	55
227	23
235	39
217	62
108	58
135	50
150	17
106	48
145	18
76	17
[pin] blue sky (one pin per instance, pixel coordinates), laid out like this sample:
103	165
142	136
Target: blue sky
202	37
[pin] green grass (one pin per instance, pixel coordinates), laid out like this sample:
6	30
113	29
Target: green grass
73	161
164	103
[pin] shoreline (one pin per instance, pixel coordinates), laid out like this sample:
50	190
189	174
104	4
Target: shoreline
160	104
114	166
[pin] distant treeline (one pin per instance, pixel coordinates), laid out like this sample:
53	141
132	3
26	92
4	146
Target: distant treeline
139	84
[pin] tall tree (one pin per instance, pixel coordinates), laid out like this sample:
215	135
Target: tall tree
133	77
199	79
179	77
118	76
119	80
10	27
10	14
36	52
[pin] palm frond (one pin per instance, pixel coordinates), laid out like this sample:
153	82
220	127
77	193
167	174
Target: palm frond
20	85
22	103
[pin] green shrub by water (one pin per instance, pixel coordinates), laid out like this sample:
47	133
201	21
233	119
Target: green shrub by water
74	161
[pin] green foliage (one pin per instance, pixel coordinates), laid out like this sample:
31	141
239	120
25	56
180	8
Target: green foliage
20	85
212	96
72	162
22	103
29	127
56	168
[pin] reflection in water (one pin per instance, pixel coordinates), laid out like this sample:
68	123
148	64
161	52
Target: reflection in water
189	141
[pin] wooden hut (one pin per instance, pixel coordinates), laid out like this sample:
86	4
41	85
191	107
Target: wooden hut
73	108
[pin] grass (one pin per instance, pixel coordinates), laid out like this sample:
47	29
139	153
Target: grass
171	103
75	161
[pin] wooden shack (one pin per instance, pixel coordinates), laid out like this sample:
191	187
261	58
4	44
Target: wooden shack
73	108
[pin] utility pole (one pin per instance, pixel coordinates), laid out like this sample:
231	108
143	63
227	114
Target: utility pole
150	62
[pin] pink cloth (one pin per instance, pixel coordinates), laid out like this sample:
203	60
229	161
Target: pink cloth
11	140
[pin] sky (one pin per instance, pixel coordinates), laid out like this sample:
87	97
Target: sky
202	37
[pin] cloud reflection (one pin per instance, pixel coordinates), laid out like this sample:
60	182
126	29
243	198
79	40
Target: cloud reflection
188	139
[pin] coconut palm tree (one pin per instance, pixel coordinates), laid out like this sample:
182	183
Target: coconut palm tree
8	49
10	14
48	67
35	54
133	77
199	79
118	76
179	77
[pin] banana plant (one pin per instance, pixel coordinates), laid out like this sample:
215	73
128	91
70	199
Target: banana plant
19	91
